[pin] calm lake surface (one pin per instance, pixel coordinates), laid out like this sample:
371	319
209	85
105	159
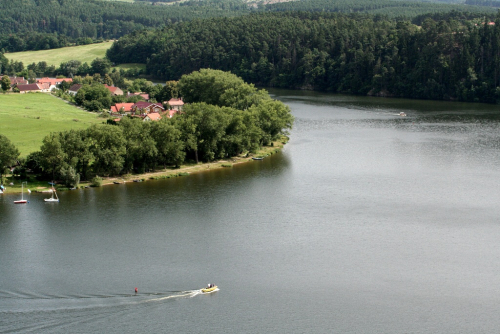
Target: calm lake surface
367	222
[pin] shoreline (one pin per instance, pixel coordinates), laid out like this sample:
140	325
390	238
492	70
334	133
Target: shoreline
184	170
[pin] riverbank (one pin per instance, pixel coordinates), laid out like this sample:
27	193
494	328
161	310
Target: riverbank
184	170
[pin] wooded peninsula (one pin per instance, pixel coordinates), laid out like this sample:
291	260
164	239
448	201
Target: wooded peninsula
223	117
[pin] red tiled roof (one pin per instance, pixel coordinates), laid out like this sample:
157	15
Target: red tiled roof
28	87
53	81
18	80
113	89
175	102
144	105
154	116
172	112
145	96
127	107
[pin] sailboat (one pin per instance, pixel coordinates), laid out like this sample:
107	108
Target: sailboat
52	198
22	200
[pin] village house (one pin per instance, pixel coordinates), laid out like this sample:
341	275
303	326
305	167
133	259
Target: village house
53	82
145	96
175	104
33	88
144	107
170	113
154	116
121	108
74	89
114	90
14	81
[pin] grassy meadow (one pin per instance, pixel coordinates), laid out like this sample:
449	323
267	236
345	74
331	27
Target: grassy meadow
83	53
27	118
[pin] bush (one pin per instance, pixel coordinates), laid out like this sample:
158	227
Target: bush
96	182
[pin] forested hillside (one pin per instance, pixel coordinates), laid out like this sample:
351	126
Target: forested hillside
48	24
360	54
389	8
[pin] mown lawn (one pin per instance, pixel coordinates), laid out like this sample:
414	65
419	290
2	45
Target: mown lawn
27	118
83	53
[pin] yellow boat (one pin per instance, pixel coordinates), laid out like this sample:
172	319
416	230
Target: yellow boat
210	289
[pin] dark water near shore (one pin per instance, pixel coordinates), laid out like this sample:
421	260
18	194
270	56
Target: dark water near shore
367	222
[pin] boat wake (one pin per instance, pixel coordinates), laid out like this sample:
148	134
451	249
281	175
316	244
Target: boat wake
27	312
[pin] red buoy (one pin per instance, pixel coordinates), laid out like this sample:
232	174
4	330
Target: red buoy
136	290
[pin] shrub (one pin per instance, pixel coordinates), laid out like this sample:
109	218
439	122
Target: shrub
96	182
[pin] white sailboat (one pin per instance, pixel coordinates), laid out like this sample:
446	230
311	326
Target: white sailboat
52	198
22	200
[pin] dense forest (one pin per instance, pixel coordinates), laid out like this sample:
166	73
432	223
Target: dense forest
48	24
356	53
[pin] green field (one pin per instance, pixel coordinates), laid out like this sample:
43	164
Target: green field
83	53
27	118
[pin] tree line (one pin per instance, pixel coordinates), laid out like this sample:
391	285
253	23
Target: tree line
48	24
355	53
224	117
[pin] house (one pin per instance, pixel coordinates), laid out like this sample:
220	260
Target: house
30	88
145	96
144	107
17	81
154	116
53	82
74	89
114	90
121	108
170	113
175	104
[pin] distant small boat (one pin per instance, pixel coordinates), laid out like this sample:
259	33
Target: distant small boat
210	288
22	200
402	114
52	198
255	158
137	180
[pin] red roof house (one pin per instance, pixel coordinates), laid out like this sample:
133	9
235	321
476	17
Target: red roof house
147	107
154	116
114	90
74	89
145	96
175	104
121	108
18	81
44	88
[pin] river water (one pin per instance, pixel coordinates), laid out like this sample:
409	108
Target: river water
367	222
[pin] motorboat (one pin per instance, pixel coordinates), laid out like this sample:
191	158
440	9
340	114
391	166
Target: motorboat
402	114
209	288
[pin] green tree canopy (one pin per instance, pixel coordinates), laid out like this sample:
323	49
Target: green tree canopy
8	154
